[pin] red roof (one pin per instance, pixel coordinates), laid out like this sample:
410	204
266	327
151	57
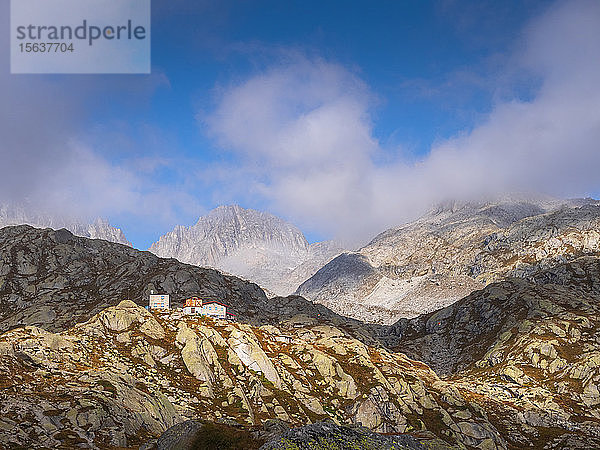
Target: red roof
193	301
214	301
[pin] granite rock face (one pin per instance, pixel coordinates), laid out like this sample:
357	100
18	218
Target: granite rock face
107	383
331	435
180	436
254	245
452	251
474	328
526	349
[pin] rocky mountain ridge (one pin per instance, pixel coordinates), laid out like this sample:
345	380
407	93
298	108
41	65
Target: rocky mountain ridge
517	367
452	251
11	215
54	279
253	245
530	346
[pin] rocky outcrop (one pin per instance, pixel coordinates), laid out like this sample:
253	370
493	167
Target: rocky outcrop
519	363
452	251
180	436
54	390
250	244
474	328
527	350
199	357
252	356
106	382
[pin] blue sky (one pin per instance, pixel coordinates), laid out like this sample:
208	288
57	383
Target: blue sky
343	117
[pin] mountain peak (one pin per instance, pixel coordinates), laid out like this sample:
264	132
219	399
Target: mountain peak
223	210
255	245
452	251
237	211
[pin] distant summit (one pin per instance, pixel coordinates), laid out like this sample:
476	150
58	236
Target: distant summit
11	214
453	250
255	245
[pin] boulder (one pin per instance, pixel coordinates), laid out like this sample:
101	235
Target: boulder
253	356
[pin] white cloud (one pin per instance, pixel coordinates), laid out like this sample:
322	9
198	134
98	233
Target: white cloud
301	135
44	164
306	126
302	132
550	143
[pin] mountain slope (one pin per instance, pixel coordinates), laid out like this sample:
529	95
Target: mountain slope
251	244
450	252
99	229
454	338
525	374
125	376
514	365
54	279
528	348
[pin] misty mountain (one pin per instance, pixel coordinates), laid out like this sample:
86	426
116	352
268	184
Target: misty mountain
250	244
453	250
99	229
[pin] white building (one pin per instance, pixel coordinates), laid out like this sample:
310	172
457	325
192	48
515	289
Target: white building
159	301
215	309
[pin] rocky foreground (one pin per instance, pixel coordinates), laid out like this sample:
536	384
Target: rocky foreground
125	376
514	365
518	366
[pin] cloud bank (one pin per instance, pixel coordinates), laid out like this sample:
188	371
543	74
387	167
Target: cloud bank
47	164
300	141
302	135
